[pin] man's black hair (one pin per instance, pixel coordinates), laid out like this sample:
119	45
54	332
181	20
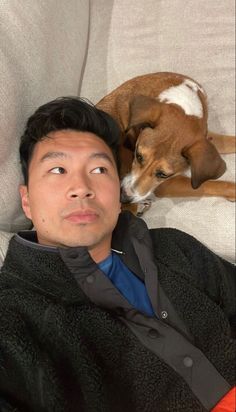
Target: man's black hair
67	113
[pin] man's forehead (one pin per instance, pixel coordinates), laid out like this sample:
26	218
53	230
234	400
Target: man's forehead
50	155
69	138
66	144
69	135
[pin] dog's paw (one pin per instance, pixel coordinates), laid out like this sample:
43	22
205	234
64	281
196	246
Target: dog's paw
131	207
138	209
143	207
230	193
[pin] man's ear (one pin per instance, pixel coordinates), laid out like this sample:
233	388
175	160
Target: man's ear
205	162
144	112
25	200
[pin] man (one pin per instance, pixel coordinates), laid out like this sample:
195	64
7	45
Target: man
97	312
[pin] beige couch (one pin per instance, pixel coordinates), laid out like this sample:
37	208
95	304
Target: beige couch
58	47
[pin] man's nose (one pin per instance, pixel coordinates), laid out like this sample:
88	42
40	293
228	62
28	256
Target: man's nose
80	188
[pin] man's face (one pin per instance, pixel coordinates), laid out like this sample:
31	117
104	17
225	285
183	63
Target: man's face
73	192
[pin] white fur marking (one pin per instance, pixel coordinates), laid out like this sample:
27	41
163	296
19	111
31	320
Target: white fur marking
184	95
136	197
128	183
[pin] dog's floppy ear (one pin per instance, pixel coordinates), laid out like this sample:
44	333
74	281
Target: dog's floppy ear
143	112
205	162
130	139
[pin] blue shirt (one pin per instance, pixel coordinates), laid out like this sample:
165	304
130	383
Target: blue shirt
128	284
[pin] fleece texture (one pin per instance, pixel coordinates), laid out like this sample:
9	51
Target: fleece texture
60	352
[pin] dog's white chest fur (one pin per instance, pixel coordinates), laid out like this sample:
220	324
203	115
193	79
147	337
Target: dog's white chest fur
184	95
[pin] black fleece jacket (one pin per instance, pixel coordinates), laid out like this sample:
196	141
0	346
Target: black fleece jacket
59	351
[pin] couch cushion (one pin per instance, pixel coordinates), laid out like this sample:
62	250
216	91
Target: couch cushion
196	38
42	51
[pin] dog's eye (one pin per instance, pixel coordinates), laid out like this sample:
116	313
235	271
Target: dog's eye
144	125
139	157
161	174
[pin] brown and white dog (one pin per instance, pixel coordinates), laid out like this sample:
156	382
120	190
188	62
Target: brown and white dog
163	119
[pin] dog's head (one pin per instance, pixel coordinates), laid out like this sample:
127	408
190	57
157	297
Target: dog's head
165	141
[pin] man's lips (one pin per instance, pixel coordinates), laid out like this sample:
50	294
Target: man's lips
82	216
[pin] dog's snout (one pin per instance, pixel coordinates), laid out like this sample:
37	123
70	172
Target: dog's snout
124	197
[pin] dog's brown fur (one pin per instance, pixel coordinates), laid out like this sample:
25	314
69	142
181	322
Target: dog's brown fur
166	141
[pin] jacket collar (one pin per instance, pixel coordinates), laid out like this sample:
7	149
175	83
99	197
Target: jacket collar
128	227
129	233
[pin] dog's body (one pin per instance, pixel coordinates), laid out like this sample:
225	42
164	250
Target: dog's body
163	119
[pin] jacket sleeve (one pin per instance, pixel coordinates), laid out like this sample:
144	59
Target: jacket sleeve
6	407
207	271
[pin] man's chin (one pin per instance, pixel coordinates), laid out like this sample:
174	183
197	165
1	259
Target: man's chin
77	243
81	241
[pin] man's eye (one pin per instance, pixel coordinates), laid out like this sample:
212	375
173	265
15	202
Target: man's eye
57	170
99	170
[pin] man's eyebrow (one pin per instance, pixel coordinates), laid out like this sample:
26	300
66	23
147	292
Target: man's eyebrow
101	155
54	155
63	155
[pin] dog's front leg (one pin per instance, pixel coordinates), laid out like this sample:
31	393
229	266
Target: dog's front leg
180	186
